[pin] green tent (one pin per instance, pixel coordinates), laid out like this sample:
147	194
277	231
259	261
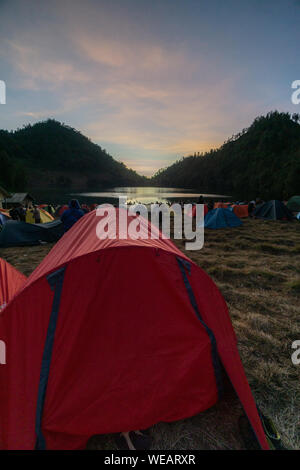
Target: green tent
294	204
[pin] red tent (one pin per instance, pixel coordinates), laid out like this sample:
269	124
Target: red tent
62	209
11	281
113	335
192	212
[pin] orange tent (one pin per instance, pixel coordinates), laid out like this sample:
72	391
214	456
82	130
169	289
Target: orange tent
241	211
221	205
5	212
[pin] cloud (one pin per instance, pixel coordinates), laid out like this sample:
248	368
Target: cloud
35	70
140	92
131	56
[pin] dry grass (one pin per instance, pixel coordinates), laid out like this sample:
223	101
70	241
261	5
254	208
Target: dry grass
256	267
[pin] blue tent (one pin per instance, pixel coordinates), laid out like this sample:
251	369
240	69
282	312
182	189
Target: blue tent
15	233
273	210
221	218
298	216
3	218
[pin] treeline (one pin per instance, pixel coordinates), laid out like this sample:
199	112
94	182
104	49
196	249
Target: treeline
261	161
53	154
12	171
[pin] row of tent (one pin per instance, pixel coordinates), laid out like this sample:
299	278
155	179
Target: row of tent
28	233
293	204
15	233
84	356
229	216
29	216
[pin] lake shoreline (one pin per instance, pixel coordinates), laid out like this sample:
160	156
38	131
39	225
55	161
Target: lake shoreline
137	194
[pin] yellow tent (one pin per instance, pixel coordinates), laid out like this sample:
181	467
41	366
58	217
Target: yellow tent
45	216
29	217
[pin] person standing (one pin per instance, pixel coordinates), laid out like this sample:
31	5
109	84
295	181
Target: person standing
71	215
36	215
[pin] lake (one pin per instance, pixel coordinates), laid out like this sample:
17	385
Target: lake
144	195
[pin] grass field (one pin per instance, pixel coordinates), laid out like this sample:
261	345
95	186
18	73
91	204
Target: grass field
257	268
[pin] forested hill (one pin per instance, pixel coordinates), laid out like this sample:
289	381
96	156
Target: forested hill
263	160
50	154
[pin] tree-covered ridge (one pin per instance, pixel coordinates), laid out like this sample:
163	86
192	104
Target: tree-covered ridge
54	154
263	160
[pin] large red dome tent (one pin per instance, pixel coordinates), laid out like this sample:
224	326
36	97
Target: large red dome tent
11	281
113	335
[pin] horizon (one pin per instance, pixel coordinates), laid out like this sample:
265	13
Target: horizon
150	83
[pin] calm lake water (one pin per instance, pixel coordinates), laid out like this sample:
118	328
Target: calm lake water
144	195
147	195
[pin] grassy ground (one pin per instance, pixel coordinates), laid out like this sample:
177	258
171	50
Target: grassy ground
257	269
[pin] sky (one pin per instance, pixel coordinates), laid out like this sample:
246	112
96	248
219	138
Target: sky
148	80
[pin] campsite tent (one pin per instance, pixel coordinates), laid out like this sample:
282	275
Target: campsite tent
221	218
293	204
192	212
61	210
15	233
5	212
3	218
11	281
44	216
240	210
109	335
273	210
221	205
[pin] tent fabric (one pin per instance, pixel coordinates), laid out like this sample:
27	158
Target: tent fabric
110	335
298	216
62	209
5	212
293	204
3	218
15	233
29	217
221	205
192	212
273	210
241	210
11	282
45	216
221	218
